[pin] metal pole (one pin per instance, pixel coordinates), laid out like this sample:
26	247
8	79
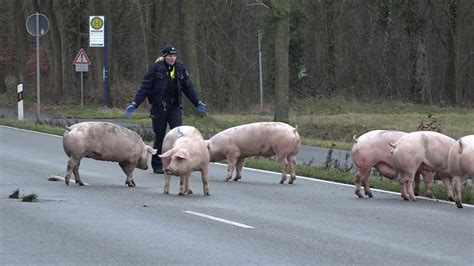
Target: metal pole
82	90
38	98
106	65
260	68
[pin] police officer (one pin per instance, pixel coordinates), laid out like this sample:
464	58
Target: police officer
162	85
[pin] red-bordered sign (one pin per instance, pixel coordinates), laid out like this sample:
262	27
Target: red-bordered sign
81	58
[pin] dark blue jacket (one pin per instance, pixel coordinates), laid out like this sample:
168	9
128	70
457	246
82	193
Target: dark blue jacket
154	85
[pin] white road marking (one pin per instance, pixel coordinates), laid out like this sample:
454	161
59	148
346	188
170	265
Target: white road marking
219	219
302	177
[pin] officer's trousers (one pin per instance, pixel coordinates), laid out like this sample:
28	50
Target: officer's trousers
172	116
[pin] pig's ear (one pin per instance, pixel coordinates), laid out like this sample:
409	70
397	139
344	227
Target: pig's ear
182	153
166	154
151	150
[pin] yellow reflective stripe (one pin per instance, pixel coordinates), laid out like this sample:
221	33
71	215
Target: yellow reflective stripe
172	72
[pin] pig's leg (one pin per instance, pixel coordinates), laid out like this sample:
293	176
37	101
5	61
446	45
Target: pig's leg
411	193
457	190
77	177
283	167
417	184
127	168
292	160
71	164
403	180
205	179
449	186
187	186
230	167
361	174
166	189
182	181
428	180
238	169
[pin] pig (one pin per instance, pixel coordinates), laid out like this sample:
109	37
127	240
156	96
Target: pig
183	152
421	150
106	142
256	139
372	150
461	164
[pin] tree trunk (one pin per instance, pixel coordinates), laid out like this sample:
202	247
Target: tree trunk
450	83
21	43
187	35
330	48
281	13
56	53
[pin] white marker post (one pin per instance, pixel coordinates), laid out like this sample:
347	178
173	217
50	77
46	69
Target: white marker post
19	90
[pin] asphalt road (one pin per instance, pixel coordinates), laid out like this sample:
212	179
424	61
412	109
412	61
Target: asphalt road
254	221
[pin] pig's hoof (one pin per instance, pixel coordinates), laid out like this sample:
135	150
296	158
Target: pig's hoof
166	192
359	194
180	194
417	193
131	184
237	178
369	193
227	179
429	195
282	181
67	182
207	194
451	198
459	204
189	191
405	197
80	183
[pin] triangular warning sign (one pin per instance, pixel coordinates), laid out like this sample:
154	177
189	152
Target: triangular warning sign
81	58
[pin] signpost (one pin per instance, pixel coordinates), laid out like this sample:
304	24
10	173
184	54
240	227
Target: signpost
98	38
37	25
82	63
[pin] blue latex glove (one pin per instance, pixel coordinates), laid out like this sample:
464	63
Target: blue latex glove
201	107
129	110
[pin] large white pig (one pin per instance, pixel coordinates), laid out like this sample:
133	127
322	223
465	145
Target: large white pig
256	139
183	152
106	142
421	150
461	164
372	150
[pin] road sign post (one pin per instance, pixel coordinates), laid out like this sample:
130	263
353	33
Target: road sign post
37	25
98	38
82	63
19	90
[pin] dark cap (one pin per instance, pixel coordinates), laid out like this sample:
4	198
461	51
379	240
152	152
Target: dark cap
168	49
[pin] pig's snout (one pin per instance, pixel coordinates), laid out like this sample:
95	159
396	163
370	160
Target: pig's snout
169	170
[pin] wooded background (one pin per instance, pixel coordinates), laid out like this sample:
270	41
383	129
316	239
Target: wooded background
371	50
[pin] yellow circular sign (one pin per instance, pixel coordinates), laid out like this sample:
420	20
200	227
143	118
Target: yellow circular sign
97	23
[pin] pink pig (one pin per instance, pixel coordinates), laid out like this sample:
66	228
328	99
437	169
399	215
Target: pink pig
183	152
461	163
421	150
256	139
106	142
372	150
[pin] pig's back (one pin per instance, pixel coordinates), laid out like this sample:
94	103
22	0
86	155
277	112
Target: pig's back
374	146
103	140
